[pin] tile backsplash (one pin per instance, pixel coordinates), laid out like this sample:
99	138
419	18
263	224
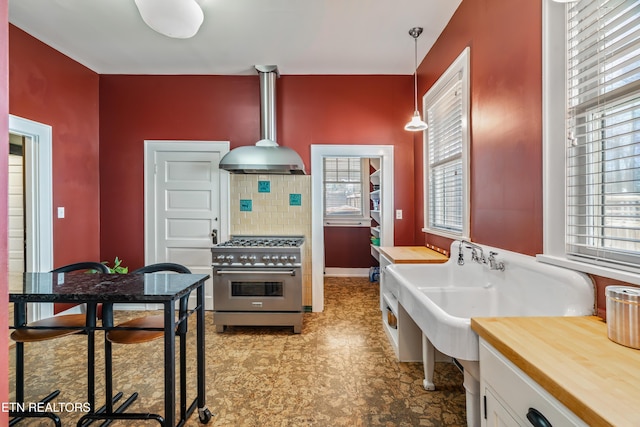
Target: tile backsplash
282	210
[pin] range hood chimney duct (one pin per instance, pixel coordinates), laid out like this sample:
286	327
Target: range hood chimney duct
266	157
268	75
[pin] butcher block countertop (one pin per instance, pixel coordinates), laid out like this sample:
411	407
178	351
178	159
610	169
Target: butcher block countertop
412	255
572	358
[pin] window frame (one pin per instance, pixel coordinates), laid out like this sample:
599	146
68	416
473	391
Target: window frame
460	65
361	220
554	106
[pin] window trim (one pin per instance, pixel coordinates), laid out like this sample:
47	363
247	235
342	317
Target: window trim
554	163
363	220
460	65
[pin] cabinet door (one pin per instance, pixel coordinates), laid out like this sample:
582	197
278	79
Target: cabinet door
516	391
497	415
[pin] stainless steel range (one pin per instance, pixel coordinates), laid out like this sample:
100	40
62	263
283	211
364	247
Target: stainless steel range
257	280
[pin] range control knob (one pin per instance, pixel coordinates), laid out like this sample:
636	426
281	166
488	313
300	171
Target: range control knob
252	259
266	258
292	259
243	258
220	258
229	258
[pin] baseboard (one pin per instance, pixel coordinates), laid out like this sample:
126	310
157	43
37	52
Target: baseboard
346	272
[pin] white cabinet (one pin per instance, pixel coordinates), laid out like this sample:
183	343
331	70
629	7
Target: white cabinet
512	398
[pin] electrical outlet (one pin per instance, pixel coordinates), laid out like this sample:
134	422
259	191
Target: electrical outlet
61	212
398	213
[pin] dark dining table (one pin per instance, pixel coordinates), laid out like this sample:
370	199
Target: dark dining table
94	289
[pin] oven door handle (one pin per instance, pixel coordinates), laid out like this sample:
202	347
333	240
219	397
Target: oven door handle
222	272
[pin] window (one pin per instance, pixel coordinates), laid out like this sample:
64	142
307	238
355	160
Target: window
346	191
446	152
603	132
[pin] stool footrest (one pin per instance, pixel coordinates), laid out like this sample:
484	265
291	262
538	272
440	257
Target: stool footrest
19	416
117	414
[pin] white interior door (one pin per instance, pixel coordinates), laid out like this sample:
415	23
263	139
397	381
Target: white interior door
186	200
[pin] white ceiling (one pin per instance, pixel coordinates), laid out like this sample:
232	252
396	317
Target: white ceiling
300	36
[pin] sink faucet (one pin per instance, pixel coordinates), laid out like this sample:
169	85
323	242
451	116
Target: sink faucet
460	256
494	264
474	252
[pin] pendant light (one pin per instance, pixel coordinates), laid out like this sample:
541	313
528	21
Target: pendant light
416	124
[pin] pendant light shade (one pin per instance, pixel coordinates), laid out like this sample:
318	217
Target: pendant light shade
179	19
416	124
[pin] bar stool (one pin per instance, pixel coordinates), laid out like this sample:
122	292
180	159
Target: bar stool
75	322
154	329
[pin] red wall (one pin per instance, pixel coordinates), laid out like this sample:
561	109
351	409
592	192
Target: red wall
506	126
4	146
348	247
310	110
50	88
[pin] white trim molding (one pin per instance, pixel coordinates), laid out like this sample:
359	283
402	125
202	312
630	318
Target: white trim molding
318	152
346	272
38	200
554	135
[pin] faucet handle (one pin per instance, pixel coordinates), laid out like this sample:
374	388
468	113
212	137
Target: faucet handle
493	263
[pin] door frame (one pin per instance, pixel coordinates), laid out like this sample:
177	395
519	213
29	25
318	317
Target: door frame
38	200
318	153
38	191
150	148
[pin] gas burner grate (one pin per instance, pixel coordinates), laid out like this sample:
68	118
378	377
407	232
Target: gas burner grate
280	242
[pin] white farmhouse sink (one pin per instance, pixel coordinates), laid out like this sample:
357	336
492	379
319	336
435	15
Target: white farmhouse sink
441	299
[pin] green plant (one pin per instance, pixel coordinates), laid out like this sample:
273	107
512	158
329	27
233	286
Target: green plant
117	267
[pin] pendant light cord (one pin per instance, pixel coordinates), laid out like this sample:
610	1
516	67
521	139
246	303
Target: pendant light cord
415	75
416	123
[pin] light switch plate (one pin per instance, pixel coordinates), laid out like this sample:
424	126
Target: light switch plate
60	211
398	213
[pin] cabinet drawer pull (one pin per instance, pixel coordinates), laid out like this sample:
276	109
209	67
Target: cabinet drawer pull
537	419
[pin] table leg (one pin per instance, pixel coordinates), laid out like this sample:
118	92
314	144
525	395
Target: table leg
19	319
203	412
169	363
91	351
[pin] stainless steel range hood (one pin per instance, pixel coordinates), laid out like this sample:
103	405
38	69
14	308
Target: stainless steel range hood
266	157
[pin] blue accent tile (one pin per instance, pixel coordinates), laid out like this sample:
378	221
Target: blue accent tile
245	205
264	186
295	199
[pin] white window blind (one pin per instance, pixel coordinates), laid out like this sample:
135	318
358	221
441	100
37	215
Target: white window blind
603	122
445	160
344	191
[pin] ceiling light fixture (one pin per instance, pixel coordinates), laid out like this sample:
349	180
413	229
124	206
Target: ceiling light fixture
179	19
416	124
